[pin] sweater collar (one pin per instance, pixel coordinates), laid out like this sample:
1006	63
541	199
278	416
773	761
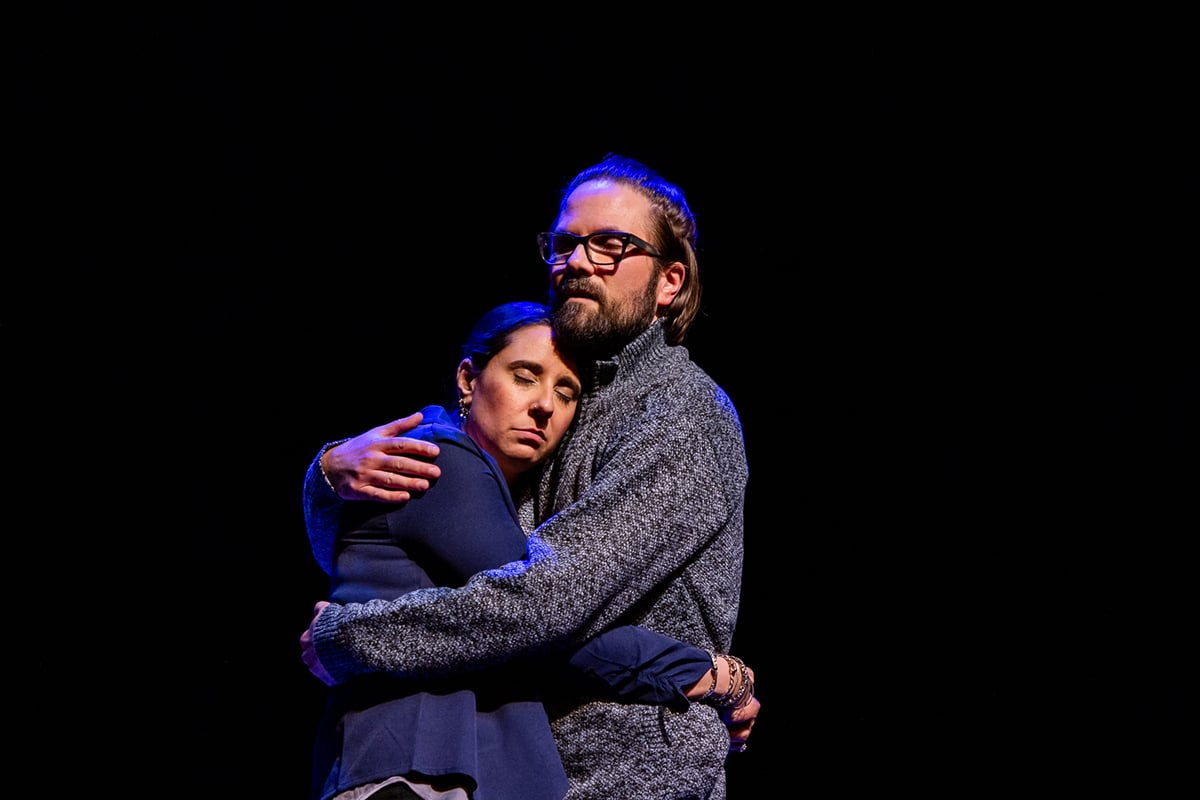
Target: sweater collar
629	359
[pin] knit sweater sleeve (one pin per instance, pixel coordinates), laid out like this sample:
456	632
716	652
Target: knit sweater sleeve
665	485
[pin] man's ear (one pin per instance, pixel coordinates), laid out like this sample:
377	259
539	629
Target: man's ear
670	281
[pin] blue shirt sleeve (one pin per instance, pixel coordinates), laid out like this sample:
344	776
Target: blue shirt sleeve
636	665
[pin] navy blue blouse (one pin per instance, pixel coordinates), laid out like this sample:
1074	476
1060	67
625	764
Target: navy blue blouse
489	730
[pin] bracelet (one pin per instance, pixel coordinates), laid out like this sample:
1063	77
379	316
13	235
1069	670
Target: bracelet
740	699
713	687
749	695
741	685
328	446
749	692
725	700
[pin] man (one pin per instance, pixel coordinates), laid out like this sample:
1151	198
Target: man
640	517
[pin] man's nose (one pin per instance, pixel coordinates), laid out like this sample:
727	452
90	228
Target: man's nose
578	261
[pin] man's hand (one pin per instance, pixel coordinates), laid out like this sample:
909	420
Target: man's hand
308	650
381	464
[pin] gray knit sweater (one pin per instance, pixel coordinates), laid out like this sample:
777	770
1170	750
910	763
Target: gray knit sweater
641	521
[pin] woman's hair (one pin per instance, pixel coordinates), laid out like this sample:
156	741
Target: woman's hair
494	329
674	230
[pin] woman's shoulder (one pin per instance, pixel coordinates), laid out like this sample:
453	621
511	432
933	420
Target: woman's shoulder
439	427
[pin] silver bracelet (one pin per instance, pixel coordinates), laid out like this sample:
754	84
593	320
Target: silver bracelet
328	446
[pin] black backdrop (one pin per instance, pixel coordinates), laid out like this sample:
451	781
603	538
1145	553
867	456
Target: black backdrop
946	288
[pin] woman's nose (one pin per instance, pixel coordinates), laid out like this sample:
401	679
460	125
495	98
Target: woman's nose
543	405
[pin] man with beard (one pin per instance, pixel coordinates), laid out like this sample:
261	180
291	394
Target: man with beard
639	518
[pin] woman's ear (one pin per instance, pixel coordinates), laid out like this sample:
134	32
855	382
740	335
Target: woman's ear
466	380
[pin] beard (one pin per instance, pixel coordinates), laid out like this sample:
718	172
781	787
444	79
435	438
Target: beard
600	331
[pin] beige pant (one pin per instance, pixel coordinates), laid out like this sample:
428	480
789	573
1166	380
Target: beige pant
421	790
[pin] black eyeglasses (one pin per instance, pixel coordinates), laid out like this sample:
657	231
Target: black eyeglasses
603	248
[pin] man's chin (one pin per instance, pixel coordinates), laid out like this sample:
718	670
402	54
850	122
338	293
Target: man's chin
580	322
579	309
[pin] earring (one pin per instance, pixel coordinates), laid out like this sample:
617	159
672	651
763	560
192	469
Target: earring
464	409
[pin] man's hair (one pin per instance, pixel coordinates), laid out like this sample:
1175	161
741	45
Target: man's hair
673	230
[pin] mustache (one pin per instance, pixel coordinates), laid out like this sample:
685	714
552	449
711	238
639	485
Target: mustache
579	287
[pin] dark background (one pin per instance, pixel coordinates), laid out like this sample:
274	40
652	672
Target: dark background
948	288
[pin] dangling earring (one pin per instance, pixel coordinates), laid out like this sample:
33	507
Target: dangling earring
464	409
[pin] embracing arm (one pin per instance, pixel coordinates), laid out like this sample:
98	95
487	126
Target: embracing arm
636	665
380	464
633	664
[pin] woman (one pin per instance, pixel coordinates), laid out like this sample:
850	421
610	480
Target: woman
484	736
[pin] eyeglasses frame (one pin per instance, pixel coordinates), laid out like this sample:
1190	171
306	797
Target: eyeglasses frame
625	237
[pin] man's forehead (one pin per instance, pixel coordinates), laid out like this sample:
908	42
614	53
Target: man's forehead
605	200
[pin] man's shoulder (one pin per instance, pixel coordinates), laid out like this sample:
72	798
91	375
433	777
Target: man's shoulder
677	407
668	382
688	383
